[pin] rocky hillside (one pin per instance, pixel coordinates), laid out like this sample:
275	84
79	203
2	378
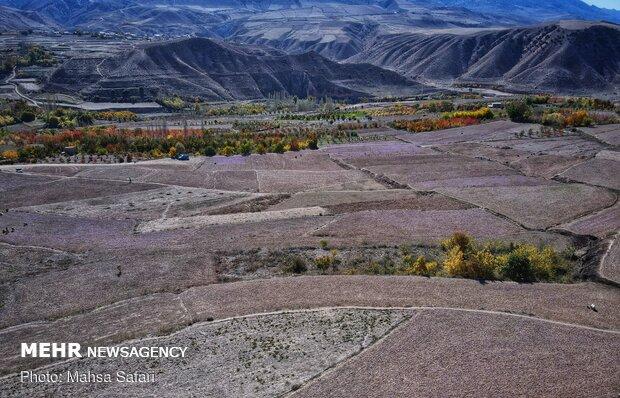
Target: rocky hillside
16	20
221	71
564	57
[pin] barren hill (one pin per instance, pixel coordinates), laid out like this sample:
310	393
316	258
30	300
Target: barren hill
12	19
564	57
222	71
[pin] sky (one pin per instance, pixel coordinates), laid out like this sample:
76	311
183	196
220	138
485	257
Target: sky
605	3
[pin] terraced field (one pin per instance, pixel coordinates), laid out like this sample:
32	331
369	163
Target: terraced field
223	255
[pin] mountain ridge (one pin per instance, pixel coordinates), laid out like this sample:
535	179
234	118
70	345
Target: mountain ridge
217	70
563	57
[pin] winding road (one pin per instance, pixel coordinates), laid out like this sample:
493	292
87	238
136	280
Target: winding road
9	80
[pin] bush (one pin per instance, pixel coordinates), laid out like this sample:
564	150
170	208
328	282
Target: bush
6	120
481	114
10	155
179	148
519	111
579	119
27	117
518	267
297	265
53	122
323	263
460	240
473	264
210	151
419	266
555	119
518	262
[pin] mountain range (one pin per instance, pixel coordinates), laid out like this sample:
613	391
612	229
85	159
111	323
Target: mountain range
246	49
216	70
563	57
230	18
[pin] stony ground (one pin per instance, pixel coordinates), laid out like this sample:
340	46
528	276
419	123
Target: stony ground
259	356
109	253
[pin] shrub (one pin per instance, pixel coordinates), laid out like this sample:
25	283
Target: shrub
10	154
546	262
518	267
323	263
481	114
297	265
553	119
519	262
53	122
179	148
454	264
422	125
6	120
27	117
460	240
210	151
419	266
519	111
579	118
474	265
172	152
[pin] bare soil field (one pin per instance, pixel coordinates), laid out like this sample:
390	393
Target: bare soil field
531	161
538	206
66	170
172	223
169	201
168	251
601	171
296	181
260	356
387	150
428	227
334	198
161	313
18	262
10	181
609	134
66	189
600	224
493	131
425	172
409	361
232	180
302	161
546	166
571	145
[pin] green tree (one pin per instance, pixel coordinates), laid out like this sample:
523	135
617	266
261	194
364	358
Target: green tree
519	111
27	116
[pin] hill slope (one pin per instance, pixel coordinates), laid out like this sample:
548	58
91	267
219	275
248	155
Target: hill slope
534	10
173	17
221	71
15	20
565	57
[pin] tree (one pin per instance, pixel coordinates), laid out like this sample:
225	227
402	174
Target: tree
518	267
27	116
179	147
210	151
53	122
519	111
